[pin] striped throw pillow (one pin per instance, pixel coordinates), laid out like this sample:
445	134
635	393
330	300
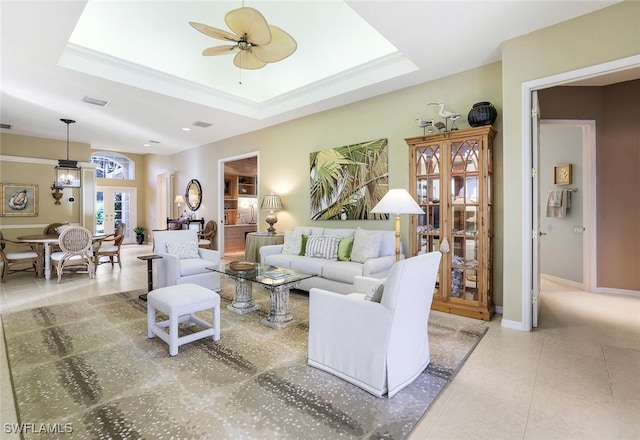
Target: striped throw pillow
322	246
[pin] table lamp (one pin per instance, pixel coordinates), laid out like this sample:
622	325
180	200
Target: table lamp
271	203
179	200
397	201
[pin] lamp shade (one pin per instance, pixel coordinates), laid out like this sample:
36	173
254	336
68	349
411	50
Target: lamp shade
397	201
271	203
179	199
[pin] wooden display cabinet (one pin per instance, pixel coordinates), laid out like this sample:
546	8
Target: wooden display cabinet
451	179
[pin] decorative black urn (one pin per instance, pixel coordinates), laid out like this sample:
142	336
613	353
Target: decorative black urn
482	113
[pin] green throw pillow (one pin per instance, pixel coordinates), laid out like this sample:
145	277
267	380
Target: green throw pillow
344	249
303	249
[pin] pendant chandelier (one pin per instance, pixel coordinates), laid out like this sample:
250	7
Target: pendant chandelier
67	173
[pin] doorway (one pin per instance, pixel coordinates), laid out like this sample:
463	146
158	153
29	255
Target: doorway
116	205
607	73
238	197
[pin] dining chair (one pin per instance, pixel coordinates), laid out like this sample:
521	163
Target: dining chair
205	238
76	254
109	247
54	229
27	257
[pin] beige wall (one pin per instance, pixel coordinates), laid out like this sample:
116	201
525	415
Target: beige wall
42	174
617	176
284	149
609	34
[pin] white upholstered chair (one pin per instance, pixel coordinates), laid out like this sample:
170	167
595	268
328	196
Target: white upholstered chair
183	261
379	346
76	253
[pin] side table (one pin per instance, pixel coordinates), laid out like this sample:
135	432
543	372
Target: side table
255	240
149	259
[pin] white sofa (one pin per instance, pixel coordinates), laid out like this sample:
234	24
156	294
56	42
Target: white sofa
332	274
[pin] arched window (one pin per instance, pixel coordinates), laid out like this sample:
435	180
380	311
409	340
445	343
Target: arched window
113	165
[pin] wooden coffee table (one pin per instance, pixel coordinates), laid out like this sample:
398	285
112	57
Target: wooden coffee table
277	280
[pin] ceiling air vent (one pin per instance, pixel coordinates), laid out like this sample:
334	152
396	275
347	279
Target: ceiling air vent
201	124
95	101
5	126
154	142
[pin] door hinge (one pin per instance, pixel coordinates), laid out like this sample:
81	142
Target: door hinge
534	234
534	113
534	299
534	172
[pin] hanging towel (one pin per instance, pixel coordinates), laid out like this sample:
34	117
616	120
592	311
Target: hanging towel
558	201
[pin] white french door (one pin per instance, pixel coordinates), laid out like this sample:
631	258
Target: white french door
115	205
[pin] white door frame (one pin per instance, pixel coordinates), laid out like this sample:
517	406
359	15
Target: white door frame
221	162
527	149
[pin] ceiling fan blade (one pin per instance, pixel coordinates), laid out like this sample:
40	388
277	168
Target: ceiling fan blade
282	45
220	50
246	60
250	22
214	32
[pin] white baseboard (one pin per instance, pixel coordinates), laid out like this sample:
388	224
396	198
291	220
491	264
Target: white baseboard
563	281
514	325
609	291
499	309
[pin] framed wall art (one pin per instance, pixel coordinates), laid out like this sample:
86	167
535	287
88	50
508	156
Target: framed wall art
562	174
19	200
347	182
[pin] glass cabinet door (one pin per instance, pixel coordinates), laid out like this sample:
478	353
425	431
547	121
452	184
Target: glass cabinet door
465	212
428	195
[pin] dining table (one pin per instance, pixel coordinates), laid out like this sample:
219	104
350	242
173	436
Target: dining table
47	240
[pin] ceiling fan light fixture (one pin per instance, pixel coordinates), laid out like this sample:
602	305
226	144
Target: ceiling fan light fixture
256	42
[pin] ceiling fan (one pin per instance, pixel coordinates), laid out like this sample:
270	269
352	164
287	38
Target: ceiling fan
255	42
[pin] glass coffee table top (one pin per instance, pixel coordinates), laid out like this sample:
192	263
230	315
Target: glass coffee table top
277	280
264	274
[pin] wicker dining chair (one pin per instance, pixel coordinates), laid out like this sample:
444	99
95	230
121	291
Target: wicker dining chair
76	254
109	246
26	257
205	238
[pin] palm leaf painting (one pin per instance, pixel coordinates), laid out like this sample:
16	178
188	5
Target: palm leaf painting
347	182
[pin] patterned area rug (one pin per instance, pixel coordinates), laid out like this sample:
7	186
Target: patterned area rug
88	370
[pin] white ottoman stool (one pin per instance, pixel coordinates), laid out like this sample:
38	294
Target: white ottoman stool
180	302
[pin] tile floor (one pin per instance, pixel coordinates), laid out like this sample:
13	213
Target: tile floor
576	377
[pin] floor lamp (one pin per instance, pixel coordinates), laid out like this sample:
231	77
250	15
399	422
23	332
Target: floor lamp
397	201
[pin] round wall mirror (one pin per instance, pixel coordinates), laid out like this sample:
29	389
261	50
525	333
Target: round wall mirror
193	195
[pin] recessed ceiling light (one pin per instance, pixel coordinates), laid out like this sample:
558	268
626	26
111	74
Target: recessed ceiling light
145	145
186	129
95	101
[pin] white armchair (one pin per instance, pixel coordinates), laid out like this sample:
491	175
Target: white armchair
379	346
183	261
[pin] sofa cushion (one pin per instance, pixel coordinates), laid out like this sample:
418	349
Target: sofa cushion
344	232
344	248
183	249
342	271
322	246
280	260
366	244
192	266
292	243
307	265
